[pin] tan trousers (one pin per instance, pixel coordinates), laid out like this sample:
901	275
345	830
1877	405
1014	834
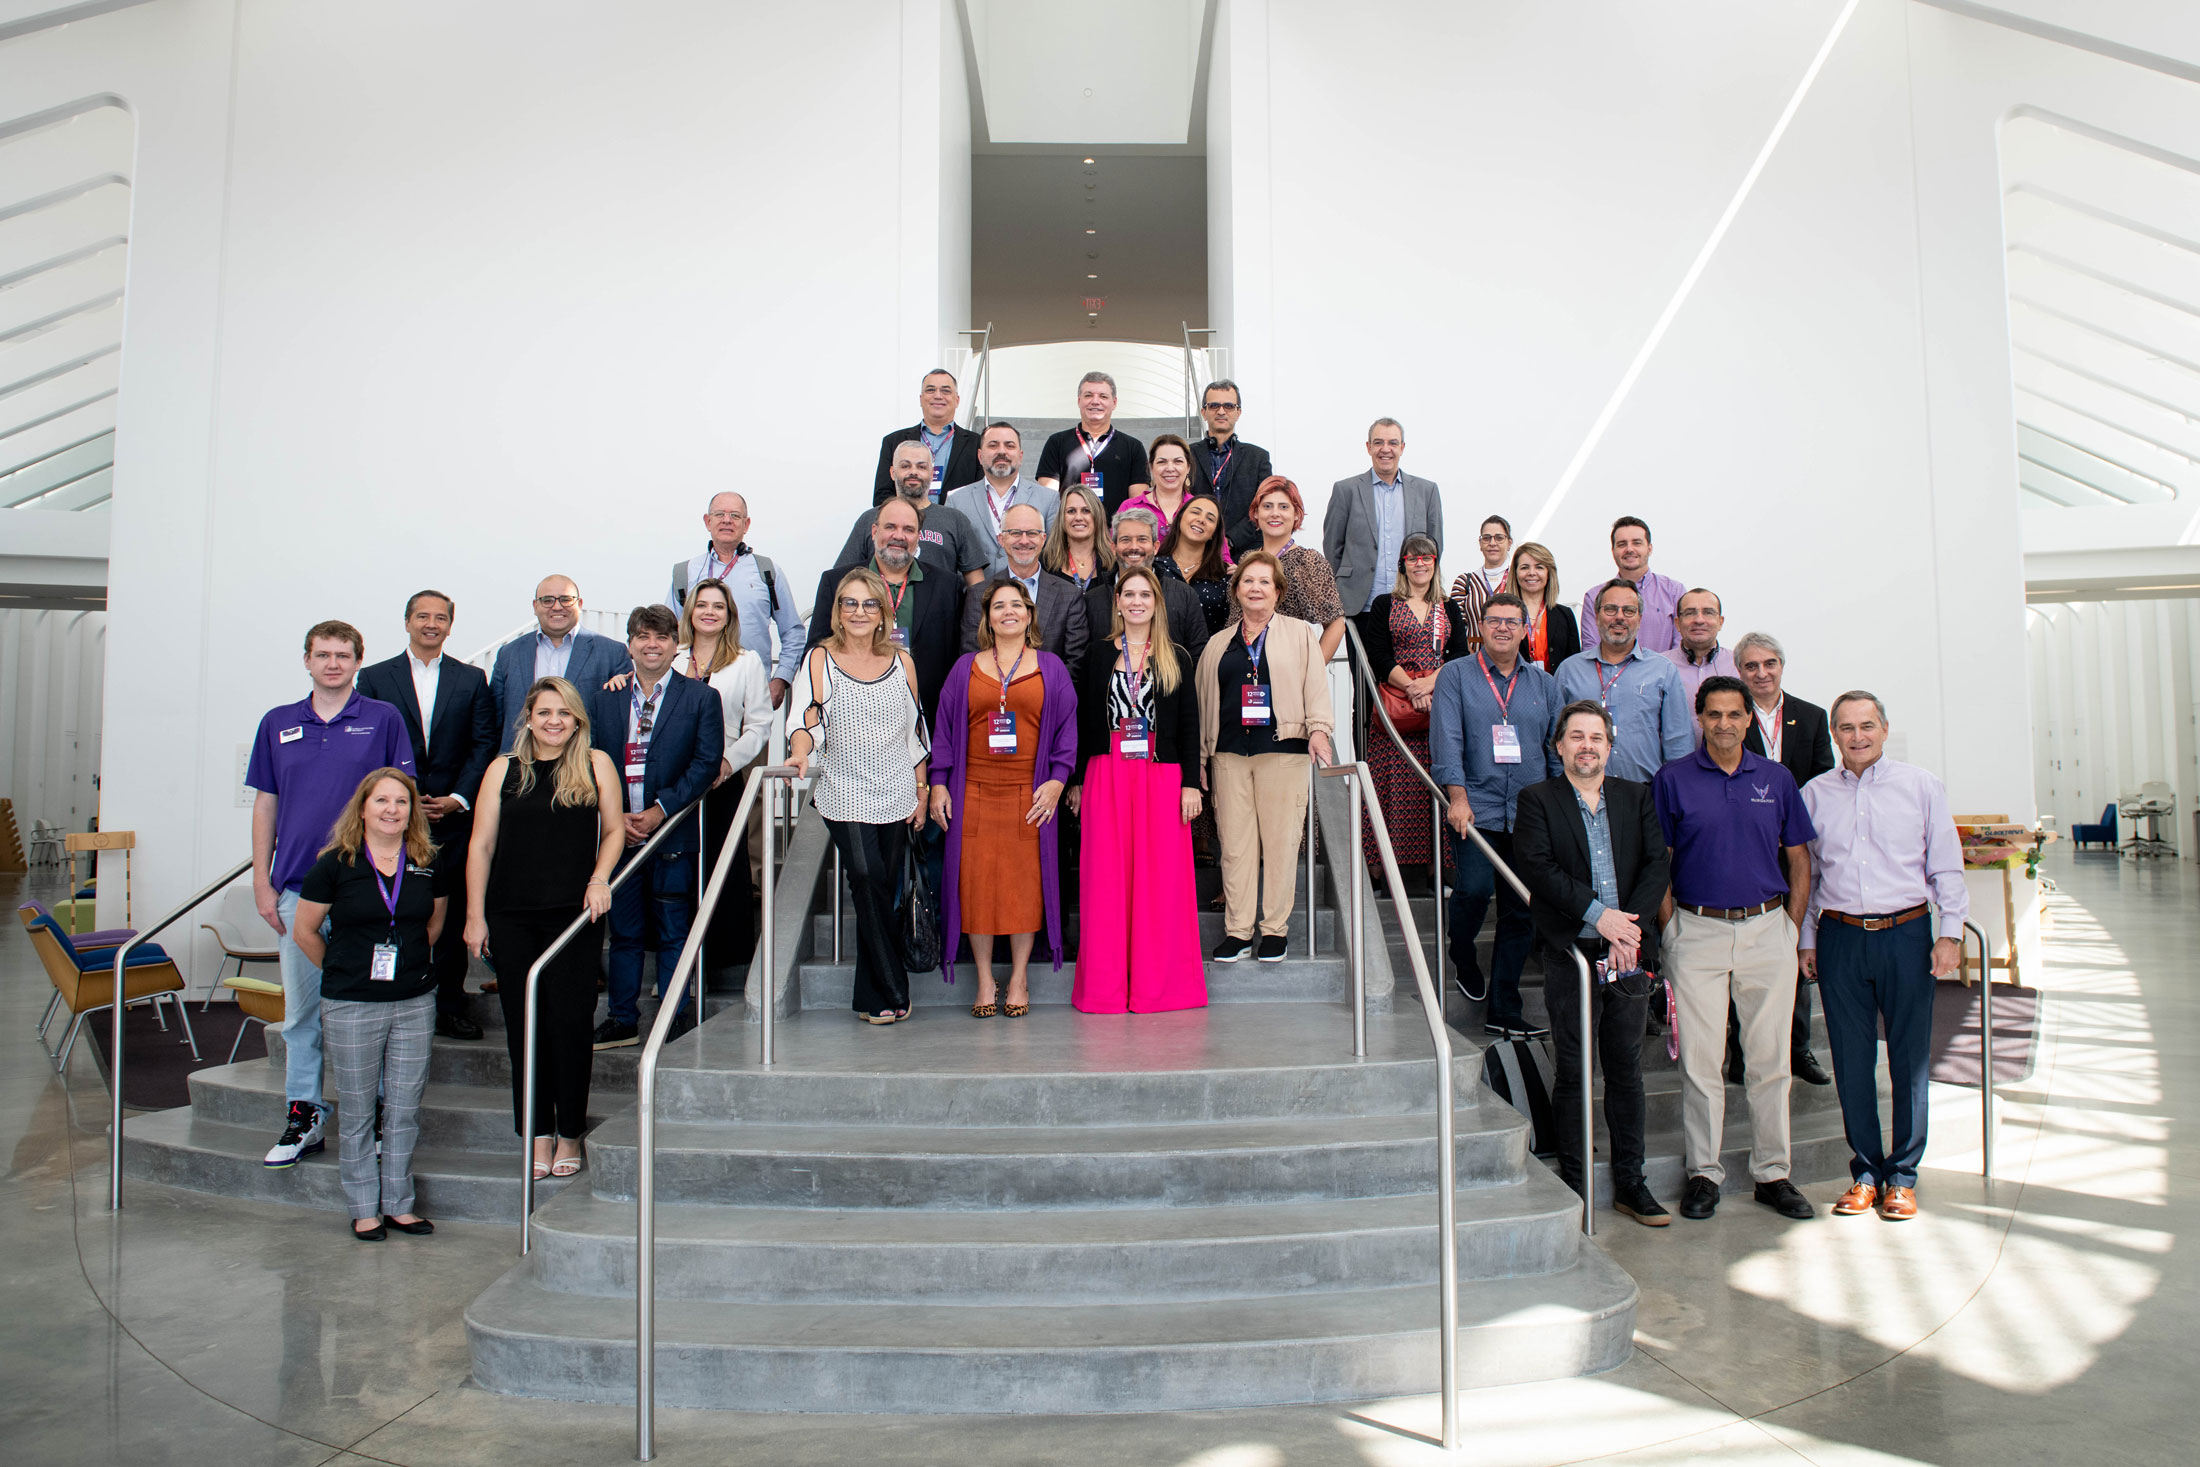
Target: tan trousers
1260	813
1708	960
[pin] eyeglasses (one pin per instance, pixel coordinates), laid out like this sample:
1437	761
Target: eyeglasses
1023	534
725	514
849	606
1496	539
547	602
1502	623
1418	559
1218	407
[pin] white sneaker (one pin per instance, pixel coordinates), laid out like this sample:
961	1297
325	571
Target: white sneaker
301	1136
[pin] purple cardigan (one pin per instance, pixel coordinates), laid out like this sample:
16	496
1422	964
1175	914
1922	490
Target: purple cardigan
1057	759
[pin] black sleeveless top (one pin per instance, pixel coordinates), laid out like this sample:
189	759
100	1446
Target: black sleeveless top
546	854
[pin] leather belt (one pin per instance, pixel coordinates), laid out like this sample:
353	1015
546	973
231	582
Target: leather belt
1734	914
1876	924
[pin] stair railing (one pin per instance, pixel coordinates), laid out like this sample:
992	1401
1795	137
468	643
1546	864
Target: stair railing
1366	677
637	861
981	380
114	1033
1191	352
645	1156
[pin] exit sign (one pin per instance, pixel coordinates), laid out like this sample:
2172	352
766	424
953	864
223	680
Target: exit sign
1096	303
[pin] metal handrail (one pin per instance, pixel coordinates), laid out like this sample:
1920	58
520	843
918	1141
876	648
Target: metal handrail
1588	1113
1191	331
1363	670
981	381
114	1068
636	862
645	1181
1985	1045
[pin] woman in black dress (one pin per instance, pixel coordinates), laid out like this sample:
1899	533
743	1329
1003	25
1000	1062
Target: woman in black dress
1196	554
548	833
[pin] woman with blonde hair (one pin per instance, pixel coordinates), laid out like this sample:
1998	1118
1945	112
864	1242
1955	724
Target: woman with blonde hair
1136	793
1077	546
1553	635
863	723
375	888
549	828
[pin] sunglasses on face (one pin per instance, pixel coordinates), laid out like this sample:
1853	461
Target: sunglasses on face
849	606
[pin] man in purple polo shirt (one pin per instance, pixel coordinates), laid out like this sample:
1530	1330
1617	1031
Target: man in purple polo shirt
1739	834
307	761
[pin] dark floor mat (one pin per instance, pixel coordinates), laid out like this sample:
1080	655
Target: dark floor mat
1956	1032
158	1066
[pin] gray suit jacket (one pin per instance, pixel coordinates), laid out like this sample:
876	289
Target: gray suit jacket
1063	629
971	501
1348	532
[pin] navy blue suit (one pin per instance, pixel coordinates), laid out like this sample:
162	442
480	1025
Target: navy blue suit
596	659
686	743
450	759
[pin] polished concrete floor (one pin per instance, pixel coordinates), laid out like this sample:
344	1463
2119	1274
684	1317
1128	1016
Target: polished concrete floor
2045	1318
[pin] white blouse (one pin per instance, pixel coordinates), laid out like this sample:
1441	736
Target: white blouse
745	695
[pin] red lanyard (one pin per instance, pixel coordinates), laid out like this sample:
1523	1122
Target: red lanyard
710	559
1604	688
1134	673
895	596
1010	675
1094	450
1504	699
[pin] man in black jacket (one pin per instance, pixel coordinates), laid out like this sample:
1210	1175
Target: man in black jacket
1794	734
926	614
954	448
1137	539
452	723
1591	852
1228	467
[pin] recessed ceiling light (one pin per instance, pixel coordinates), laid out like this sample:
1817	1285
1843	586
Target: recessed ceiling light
1092	231
1088	160
1092	277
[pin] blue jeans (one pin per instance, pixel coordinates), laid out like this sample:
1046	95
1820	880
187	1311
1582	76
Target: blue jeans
661	899
1474	882
301	1010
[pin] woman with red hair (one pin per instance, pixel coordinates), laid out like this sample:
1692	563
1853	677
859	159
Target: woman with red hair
1312	596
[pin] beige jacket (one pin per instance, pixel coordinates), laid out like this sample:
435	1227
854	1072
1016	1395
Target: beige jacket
1298	683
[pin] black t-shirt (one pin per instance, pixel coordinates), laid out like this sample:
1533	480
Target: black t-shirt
1122	463
1233	734
358	919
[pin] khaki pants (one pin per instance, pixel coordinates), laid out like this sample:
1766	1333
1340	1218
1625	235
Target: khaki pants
1260	812
1708	960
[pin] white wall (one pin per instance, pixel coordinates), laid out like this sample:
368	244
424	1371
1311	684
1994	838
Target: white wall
1823	432
51	666
2115	706
1072	74
460	295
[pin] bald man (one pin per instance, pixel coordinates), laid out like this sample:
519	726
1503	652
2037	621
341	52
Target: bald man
558	647
1063	626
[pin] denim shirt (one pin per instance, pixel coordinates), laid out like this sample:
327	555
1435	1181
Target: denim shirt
1459	743
1603	874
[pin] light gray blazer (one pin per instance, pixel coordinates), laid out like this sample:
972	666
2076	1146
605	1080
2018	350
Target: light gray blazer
1348	532
970	500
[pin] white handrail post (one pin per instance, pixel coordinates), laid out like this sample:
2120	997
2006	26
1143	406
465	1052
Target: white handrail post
1359	936
837	879
770	974
1313	898
1985	1048
1436	884
1588	1116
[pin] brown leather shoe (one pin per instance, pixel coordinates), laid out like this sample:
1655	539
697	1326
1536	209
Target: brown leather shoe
1856	1201
1899	1204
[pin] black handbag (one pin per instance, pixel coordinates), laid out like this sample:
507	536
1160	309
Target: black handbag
919	917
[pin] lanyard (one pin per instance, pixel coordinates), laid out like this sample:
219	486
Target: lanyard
895	596
389	889
1010	675
1000	509
1504	699
934	442
1253	648
715	569
645	709
1604	688
1222	461
1134	671
1094	450
1770	728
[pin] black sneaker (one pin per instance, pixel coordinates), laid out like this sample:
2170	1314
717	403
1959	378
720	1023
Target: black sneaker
1230	949
456	1026
1637	1203
301	1136
1782	1198
611	1034
1808	1070
683	1022
1272	949
1700	1200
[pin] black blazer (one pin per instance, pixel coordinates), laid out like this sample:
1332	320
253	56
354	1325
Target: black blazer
1806	740
1248	465
935	627
455	754
962	461
1187	621
1562	640
1382	652
1176	715
1551	853
687	742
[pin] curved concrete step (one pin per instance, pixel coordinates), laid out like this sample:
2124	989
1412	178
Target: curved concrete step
484	1061
1085	1357
452	1117
1210	929
1296	979
1203	1164
585	1245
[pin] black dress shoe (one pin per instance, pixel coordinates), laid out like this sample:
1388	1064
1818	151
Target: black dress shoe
1700	1199
1637	1203
374	1234
456	1026
1782	1198
1736	1072
1808	1070
419	1227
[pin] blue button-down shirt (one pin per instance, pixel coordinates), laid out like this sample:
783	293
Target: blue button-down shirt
1390	530
1603	871
752	608
551	657
1461	749
1651	719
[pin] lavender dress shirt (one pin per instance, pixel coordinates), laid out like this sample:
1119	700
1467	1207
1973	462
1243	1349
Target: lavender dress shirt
1719	664
1661	597
1885	843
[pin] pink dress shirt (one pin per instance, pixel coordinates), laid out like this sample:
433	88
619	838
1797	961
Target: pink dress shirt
1885	843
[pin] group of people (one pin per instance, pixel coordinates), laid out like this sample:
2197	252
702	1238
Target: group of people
1089	680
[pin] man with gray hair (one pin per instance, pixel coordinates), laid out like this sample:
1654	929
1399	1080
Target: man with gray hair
1137	539
952	448
1371	514
1096	454
1228	467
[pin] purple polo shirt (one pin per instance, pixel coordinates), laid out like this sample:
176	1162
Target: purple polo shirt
1727	831
312	768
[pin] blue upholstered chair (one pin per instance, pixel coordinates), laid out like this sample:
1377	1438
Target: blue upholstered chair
2103	834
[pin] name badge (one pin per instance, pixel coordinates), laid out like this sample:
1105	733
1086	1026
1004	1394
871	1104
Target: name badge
1134	741
291	735
1253	705
1001	733
1504	743
899	636
637	761
1090	480
385	963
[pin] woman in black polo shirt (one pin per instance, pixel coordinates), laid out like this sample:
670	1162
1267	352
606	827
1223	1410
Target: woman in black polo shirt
375	886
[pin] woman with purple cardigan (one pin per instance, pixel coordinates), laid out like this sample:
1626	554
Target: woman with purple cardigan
1003	747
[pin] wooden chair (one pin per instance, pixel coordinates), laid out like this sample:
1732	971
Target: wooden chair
107	941
86	982
260	1001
